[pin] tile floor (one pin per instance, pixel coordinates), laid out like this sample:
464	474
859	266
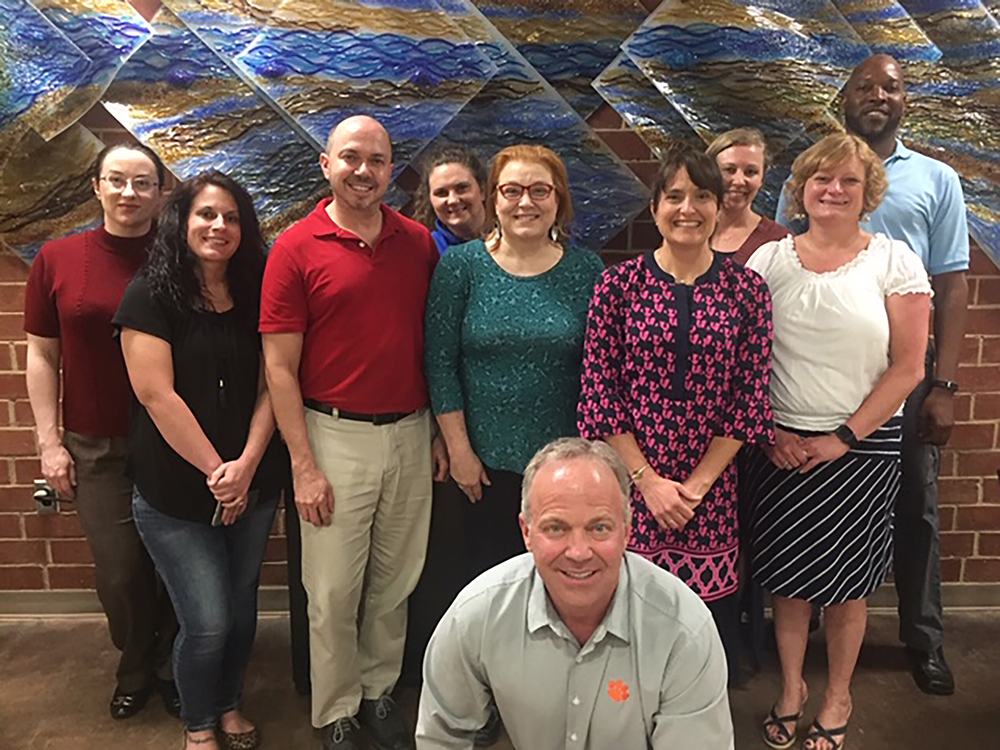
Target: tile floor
56	680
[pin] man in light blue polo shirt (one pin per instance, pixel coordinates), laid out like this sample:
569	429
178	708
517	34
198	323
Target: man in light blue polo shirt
580	643
923	207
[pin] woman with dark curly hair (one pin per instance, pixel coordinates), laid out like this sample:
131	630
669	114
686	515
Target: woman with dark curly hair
207	464
450	200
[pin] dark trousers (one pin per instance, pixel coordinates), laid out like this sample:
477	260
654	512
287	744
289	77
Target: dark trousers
491	525
465	539
726	614
140	617
298	601
917	534
212	574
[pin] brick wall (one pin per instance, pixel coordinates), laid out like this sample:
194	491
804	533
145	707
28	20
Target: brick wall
48	552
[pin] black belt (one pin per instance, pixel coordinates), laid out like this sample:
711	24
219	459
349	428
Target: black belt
389	417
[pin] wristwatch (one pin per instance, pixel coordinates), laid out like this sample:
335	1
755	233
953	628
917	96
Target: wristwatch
949	385
846	435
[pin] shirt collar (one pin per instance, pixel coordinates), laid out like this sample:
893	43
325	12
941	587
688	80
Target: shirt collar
324	226
710	276
900	152
542	613
450	237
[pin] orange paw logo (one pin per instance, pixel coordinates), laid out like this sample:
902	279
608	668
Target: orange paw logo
618	690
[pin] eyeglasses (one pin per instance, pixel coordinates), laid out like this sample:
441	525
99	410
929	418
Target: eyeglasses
537	191
139	184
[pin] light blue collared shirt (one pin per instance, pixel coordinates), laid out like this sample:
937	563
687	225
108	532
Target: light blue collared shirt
653	674
923	207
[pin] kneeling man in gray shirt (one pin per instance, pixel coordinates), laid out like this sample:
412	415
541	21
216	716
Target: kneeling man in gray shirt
581	644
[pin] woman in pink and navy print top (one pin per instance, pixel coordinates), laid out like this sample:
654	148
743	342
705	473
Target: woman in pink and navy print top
675	378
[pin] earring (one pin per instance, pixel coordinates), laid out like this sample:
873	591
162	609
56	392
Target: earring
554	233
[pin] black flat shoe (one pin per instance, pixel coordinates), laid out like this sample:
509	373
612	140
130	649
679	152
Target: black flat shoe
931	671
171	698
126	705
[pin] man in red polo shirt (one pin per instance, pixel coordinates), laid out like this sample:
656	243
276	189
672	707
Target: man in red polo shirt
342	314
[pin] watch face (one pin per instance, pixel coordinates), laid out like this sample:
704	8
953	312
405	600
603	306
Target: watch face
846	435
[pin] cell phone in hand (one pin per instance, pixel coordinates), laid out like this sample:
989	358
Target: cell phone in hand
252	497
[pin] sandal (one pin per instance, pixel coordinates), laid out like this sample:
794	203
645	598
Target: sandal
818	732
785	739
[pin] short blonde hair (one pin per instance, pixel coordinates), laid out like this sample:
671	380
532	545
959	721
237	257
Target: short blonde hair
834	150
739	137
533	155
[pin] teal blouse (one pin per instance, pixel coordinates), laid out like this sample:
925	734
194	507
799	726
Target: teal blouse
507	349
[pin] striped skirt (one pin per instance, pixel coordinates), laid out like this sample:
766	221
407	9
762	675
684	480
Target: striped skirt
825	536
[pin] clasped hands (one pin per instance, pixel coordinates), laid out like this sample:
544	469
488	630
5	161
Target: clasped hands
790	451
230	484
671	503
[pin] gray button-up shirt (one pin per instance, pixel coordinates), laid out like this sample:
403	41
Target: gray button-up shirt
653	674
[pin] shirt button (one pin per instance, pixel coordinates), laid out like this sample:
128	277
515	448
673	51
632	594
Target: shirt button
579	659
573	737
362	244
576	701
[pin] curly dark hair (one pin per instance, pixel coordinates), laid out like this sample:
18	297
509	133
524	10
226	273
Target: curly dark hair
171	267
449	154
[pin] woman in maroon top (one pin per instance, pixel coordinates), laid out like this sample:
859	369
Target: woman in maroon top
74	287
742	158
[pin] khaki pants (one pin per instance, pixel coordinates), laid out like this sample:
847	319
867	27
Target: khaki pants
359	570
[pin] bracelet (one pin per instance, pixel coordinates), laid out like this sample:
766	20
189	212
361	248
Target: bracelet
637	474
948	385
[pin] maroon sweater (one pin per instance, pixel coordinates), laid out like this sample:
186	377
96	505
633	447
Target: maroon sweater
74	288
765	231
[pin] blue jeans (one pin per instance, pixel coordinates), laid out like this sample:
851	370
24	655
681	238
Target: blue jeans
211	574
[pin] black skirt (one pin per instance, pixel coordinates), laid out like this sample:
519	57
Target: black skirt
825	536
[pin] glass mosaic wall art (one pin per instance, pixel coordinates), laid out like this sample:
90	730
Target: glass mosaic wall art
107	32
252	87
39	68
570	42
46	190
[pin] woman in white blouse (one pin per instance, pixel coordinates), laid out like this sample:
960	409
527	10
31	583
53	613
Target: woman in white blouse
850	331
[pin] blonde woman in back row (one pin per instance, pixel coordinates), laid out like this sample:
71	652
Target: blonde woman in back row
742	158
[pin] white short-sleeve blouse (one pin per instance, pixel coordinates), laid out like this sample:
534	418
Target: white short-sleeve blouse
831	330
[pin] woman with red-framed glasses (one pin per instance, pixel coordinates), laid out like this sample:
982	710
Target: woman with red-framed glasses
504	342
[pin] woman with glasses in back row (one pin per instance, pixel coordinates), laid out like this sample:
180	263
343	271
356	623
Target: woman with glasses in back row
504	342
73	290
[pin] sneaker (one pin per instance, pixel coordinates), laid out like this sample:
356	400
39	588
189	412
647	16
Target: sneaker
489	735
384	724
342	734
